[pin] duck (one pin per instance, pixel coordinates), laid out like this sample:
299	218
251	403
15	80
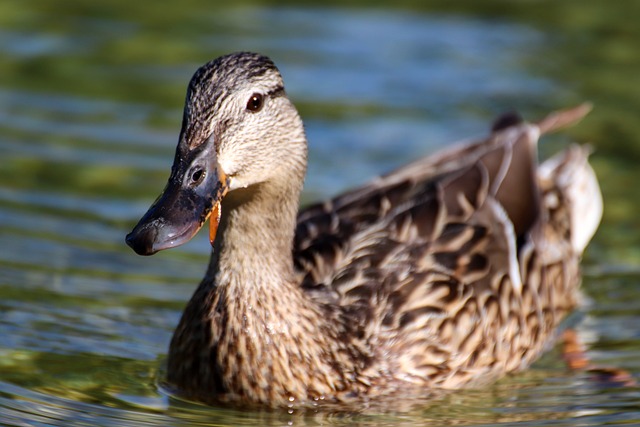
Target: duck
447	273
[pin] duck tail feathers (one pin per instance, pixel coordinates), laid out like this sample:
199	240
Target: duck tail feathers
571	173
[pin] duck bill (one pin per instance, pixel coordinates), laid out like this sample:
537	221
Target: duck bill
180	211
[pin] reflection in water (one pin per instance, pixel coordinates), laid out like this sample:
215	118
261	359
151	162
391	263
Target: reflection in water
90	109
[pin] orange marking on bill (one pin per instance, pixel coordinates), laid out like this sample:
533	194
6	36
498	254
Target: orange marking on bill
214	221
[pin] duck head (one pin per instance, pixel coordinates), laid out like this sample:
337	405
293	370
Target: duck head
238	129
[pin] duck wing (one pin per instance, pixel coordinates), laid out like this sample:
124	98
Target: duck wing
464	261
424	205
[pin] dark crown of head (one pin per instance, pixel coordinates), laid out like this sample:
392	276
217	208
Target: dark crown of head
232	68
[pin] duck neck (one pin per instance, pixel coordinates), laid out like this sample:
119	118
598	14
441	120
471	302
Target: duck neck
256	238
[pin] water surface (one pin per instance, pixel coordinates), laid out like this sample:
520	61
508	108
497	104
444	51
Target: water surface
90	108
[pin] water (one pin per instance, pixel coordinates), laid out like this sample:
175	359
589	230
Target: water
90	108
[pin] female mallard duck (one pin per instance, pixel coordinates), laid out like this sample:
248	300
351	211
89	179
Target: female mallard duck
447	273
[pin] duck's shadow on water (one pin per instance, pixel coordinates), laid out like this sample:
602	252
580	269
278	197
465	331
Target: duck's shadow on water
553	395
510	401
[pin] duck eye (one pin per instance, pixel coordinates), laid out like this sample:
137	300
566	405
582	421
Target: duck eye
255	102
197	176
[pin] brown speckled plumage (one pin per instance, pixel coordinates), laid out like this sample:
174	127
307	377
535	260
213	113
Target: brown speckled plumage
447	273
